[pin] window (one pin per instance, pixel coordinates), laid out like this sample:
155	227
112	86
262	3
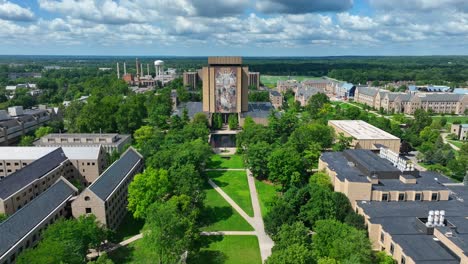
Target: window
392	248
382	237
16	164
434	196
417	197
88	210
401	197
86	198
8	164
403	260
384	196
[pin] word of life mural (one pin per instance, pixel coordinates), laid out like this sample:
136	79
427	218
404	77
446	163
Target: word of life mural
226	85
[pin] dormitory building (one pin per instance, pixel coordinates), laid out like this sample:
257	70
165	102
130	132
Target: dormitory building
40	193
414	216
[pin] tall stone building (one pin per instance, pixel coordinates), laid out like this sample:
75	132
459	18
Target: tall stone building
225	86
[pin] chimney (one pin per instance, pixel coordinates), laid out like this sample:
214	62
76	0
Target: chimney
118	71
141	70
125	69
147	69
137	66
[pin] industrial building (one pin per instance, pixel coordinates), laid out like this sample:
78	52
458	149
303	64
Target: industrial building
365	135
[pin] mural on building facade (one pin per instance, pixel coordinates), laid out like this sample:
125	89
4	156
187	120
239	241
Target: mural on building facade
226	85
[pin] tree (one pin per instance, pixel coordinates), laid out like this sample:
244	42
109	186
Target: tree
186	180
289	234
285	166
26	141
256	157
343	142
321	179
42	131
170	229
103	259
381	257
200	118
302	137
316	102
145	189
3	217
66	241
233	122
280	213
321	205
294	254
341	242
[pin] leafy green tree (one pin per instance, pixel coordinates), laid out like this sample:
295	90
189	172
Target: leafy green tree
42	131
342	206
200	118
321	179
381	257
233	122
302	137
355	220
26	141
294	254
316	102
282	126
66	241
286	167
256	157
186	180
343	142
341	242
321	205
280	213
3	217
289	234
145	189
170	229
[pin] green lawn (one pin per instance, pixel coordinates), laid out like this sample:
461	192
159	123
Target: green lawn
219	215
228	250
235	184
266	195
135	252
128	228
451	119
226	162
457	143
271	80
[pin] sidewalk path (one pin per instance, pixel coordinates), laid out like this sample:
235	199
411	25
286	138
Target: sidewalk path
264	241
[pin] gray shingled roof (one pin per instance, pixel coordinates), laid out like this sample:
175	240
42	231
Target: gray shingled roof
108	181
275	93
192	108
368	90
440	97
24	220
258	110
393	96
35	170
404	97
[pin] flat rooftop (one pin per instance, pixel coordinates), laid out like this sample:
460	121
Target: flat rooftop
361	130
34	153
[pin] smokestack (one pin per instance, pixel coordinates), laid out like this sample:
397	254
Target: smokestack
141	70
125	69
118	73
137	70
147	69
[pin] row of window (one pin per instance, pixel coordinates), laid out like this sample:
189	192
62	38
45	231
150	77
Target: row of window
417	197
392	248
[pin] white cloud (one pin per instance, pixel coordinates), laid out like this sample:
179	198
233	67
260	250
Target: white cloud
356	22
11	11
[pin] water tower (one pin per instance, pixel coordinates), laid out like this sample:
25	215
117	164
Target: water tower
159	67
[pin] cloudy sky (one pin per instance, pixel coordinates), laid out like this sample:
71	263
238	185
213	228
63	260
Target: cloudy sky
234	27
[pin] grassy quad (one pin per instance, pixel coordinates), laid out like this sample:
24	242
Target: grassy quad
228	250
215	250
235	184
226	162
451	119
218	215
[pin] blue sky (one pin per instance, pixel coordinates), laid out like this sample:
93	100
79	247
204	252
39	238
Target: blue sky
234	27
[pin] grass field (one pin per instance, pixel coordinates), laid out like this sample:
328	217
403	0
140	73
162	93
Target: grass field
135	252
271	80
128	228
219	215
457	143
226	162
451	119
235	184
266	194
228	250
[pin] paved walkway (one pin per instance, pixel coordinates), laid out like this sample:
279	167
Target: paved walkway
264	241
444	139
95	254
